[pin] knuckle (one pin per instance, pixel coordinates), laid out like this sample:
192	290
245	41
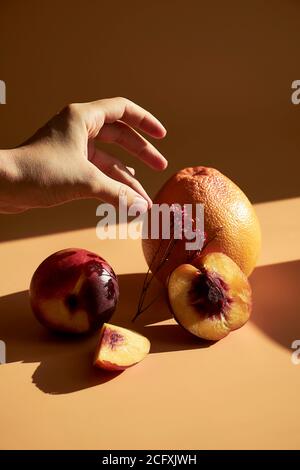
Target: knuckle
124	101
144	149
72	107
121	98
72	110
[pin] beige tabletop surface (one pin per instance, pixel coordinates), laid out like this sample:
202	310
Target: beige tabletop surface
241	392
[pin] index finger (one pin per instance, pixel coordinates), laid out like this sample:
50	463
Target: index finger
122	109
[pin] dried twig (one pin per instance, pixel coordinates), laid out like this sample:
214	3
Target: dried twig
149	277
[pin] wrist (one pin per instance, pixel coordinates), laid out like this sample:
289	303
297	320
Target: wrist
10	175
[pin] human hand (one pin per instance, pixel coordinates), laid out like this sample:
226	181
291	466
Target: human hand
61	161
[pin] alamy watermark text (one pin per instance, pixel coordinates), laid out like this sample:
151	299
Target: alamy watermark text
2	92
2	352
178	222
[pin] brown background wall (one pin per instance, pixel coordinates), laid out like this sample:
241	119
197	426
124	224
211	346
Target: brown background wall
218	74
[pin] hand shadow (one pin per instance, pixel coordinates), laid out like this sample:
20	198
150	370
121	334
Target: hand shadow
65	363
276	295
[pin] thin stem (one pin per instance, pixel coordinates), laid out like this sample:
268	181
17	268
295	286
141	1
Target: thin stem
146	284
147	281
151	303
149	278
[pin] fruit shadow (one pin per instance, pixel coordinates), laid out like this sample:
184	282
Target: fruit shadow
276	297
163	337
65	363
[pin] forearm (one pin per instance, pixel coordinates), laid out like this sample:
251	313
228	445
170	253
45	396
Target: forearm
9	180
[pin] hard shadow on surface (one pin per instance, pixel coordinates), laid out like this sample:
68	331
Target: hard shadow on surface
65	364
276	297
73	215
163	337
244	124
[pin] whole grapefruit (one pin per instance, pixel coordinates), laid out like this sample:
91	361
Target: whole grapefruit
230	222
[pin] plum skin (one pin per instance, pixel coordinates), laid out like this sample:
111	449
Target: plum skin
74	282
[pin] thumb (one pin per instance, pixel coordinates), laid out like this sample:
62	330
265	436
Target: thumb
114	192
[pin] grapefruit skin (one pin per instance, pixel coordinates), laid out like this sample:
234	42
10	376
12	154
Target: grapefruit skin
230	222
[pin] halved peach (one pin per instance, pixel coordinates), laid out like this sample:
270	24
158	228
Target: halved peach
120	348
211	298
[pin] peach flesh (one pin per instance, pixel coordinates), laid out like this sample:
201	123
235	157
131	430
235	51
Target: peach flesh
119	348
112	338
210	298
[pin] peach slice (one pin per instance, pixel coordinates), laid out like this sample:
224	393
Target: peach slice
120	348
211	298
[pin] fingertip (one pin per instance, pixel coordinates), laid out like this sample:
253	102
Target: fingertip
165	164
154	128
149	202
131	170
160	132
163	132
161	164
